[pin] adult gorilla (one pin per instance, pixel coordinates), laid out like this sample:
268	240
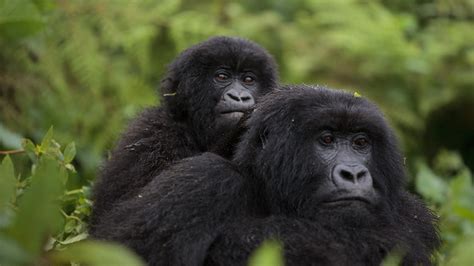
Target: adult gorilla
318	169
207	90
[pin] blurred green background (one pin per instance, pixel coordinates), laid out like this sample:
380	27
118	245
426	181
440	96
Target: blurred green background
87	67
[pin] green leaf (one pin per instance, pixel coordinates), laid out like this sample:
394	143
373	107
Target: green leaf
30	149
28	145
11	253
39	210
96	253
69	152
462	195
44	5
429	185
46	142
19	19
462	253
7	182
75	239
270	253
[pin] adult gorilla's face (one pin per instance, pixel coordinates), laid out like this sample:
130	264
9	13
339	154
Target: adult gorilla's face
347	180
326	152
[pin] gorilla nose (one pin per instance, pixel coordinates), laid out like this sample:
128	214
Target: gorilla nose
239	98
352	177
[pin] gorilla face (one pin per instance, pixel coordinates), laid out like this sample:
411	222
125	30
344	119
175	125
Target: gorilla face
239	92
347	180
325	152
213	83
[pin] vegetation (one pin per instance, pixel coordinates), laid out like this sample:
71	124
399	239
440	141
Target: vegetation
87	67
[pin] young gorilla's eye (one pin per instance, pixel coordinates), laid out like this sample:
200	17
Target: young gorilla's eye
221	76
361	142
327	139
248	79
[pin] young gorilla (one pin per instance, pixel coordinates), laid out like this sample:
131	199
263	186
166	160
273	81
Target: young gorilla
318	169
207	90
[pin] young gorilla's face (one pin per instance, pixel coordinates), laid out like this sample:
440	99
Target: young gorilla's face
239	89
216	82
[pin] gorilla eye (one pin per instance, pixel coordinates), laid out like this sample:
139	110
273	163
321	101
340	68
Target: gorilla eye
327	139
361	142
248	79
221	77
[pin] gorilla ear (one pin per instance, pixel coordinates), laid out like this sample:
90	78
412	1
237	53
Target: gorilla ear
172	101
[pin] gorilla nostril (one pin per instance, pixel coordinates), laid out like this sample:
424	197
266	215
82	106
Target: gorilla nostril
245	98
233	97
361	174
347	175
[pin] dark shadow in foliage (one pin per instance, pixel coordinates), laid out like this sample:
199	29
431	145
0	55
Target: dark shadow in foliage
452	127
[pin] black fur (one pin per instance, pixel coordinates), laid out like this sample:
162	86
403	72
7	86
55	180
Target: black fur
186	125
208	210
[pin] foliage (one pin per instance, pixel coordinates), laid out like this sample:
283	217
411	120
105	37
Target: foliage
268	254
41	221
87	67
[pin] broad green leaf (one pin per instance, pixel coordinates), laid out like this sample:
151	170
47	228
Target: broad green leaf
19	18
270	253
462	195
462	253
69	152
39	211
7	182
11	253
429	185
44	5
98	253
392	260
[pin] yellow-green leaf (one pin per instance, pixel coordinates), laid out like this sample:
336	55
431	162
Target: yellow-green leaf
7	182
69	152
46	142
270	253
38	209
98	253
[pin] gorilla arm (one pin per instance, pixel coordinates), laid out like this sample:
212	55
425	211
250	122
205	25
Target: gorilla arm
178	215
149	145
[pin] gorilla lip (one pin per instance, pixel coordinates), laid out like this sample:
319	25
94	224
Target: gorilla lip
346	200
233	111
236	114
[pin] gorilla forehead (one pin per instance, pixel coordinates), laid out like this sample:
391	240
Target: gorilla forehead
312	109
233	52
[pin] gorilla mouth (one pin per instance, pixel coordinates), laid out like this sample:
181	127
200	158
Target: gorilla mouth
233	111
236	114
346	201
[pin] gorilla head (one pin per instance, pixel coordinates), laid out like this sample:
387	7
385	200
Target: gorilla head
323	151
330	157
212	84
